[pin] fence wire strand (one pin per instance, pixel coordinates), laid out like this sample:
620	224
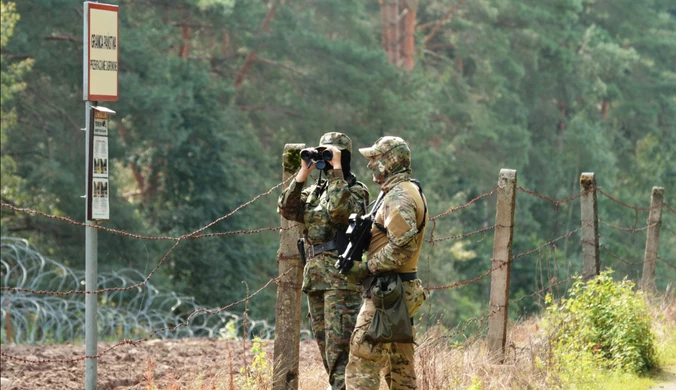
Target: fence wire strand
198	234
454	209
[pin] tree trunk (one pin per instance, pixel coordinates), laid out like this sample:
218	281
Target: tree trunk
186	32
398	19
251	56
408	51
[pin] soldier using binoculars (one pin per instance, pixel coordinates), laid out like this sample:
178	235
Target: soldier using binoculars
324	209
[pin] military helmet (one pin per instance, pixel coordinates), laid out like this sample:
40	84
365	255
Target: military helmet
393	149
339	140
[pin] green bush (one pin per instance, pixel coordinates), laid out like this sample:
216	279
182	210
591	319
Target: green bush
605	323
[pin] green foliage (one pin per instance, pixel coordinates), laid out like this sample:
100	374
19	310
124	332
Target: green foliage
258	375
551	89
11	75
477	384
602	323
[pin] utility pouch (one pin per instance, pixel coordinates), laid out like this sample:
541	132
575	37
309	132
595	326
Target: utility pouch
391	320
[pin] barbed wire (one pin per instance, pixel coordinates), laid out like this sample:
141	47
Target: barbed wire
553	201
618	257
99	291
503	263
194	234
550	242
465	282
278	280
233	232
454	209
480	321
627	229
624	204
432	239
671	209
666	262
238	208
669	229
549	287
153	333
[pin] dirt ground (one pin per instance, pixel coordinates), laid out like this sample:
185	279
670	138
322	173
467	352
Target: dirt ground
184	364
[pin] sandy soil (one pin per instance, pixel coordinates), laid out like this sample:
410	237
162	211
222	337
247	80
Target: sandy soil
188	363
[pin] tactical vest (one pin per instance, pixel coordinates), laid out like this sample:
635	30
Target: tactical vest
379	237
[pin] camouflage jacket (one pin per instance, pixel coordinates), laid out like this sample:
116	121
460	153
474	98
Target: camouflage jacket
323	208
402	214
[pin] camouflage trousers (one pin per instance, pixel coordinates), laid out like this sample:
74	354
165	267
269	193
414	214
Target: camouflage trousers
333	314
393	360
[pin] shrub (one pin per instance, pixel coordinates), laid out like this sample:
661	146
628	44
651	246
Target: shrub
258	375
604	323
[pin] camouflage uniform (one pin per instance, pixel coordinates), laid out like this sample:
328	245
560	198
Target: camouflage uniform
333	302
402	214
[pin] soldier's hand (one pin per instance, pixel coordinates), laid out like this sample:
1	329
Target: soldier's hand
357	273
305	167
335	161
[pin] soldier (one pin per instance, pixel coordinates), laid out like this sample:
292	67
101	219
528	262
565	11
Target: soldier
324	209
396	240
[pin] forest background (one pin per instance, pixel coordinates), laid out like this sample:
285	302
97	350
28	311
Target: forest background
211	90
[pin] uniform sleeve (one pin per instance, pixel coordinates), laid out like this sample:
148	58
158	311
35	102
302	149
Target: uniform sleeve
343	199
401	224
291	202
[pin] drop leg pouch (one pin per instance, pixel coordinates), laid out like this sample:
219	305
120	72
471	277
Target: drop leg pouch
391	320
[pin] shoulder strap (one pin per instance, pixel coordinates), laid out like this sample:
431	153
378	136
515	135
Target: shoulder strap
422	199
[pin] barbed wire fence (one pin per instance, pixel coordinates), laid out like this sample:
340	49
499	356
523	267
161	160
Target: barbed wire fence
36	288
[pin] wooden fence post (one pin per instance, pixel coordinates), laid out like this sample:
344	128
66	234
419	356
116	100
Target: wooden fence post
501	264
652	242
591	264
288	306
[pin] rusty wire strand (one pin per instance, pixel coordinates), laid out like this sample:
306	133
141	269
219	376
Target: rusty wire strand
483	275
549	287
625	261
233	232
671	209
627	229
432	239
550	242
668	229
194	234
454	209
479	320
624	204
553	201
465	282
667	263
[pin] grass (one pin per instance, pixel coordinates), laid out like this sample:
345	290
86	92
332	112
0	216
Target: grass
440	364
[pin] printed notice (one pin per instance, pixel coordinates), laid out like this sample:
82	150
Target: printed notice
100	156
100	123
100	199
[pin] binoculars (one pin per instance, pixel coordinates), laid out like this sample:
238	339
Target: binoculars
320	158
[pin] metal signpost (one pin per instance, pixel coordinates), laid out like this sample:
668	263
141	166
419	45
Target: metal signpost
100	76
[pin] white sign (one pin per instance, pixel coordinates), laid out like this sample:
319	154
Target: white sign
100	52
98	196
100	203
100	156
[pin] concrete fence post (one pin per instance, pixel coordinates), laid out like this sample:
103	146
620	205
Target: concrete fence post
501	264
591	264
652	242
288	306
